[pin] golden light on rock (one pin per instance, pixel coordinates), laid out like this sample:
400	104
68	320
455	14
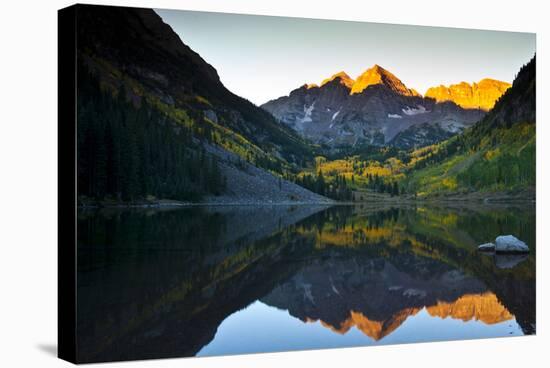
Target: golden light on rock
479	307
379	75
374	329
482	95
343	77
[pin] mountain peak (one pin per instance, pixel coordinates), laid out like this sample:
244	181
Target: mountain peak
342	76
378	75
481	95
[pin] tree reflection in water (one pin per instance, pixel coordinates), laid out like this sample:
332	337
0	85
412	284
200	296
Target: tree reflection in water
159	283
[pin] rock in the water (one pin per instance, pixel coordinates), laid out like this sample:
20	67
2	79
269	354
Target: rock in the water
487	247
510	244
507	261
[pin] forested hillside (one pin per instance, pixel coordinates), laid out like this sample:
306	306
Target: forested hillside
127	153
149	108
496	154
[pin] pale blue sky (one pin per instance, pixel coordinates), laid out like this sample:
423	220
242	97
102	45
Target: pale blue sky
261	58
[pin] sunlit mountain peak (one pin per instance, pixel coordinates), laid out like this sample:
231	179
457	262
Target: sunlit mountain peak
343	77
481	95
376	75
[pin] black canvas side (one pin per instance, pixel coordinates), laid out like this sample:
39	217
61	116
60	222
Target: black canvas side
66	187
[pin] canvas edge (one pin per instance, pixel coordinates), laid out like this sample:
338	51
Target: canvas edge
66	189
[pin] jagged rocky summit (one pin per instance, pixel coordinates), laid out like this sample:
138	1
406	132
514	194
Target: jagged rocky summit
377	108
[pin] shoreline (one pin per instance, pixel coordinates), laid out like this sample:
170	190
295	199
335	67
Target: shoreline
498	199
205	204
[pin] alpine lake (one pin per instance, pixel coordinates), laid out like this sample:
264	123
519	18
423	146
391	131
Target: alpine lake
218	280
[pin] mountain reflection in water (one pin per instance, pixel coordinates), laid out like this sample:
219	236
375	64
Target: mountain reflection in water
167	283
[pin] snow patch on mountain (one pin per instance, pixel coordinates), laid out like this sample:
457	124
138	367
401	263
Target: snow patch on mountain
414	111
307	113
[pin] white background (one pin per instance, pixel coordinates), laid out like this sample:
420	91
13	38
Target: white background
28	181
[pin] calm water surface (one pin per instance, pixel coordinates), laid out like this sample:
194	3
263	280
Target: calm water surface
228	280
